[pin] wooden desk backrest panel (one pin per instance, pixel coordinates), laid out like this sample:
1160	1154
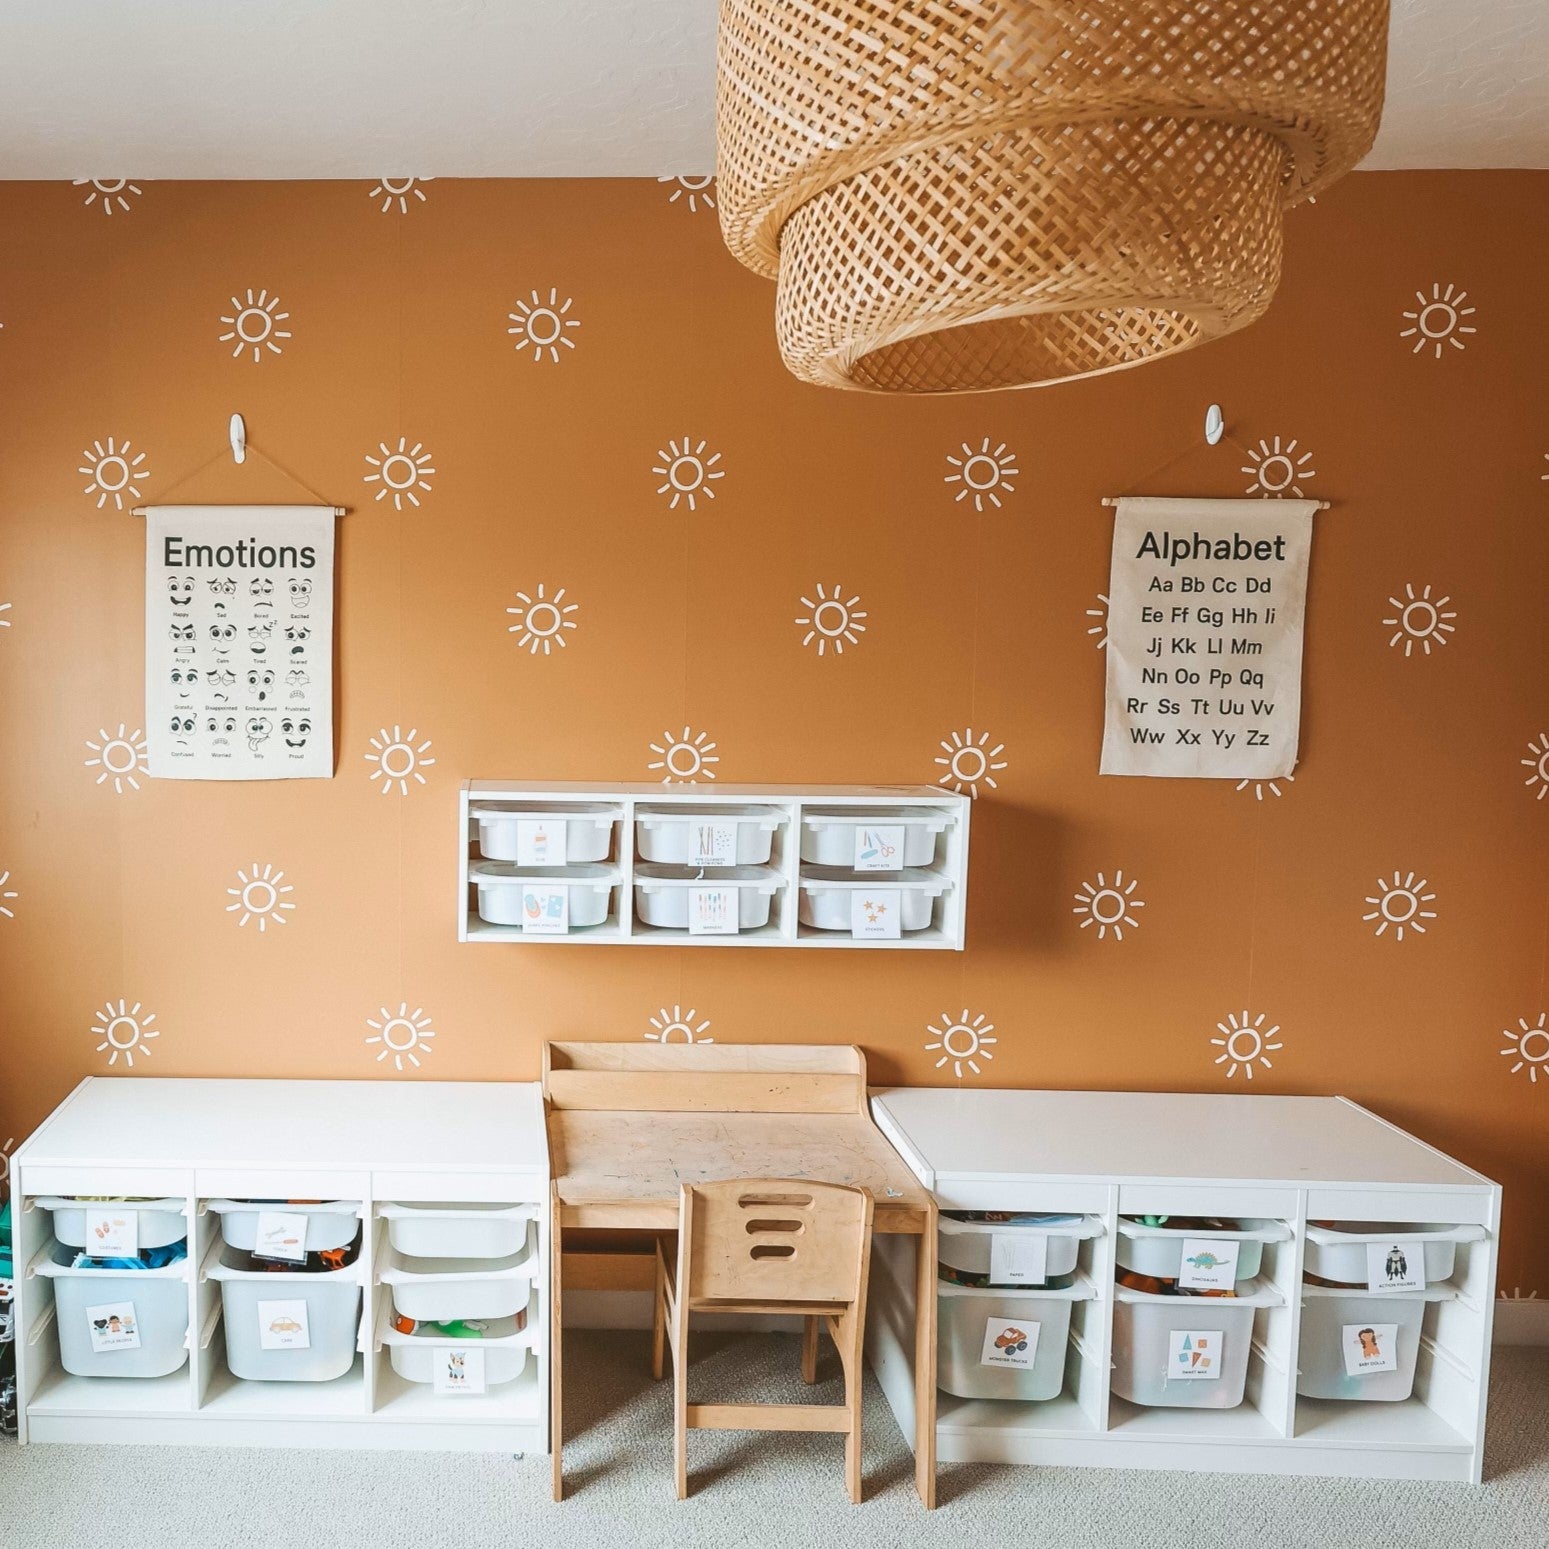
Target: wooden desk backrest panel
775	1239
705	1078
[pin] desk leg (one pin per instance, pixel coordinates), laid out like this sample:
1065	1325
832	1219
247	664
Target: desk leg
925	1362
556	1346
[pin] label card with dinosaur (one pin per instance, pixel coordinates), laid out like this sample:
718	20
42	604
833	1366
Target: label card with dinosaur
239	642
1205	605
1208	1264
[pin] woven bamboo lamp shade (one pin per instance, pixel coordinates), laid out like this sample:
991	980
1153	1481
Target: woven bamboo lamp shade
961	195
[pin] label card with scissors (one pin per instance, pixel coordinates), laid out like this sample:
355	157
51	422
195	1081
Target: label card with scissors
459	1371
540	841
1395	1264
545	910
282	1235
1208	1264
112	1232
874	913
1018	1258
879	847
712	911
714	844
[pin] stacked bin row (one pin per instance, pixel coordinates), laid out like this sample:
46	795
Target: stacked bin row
854	862
546	869
458	1284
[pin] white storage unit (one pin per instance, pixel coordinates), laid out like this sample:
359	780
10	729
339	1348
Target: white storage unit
1275	1162
460	1166
797	857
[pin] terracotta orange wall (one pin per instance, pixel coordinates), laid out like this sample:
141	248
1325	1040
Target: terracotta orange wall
977	620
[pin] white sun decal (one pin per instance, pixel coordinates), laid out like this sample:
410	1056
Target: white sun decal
1244	1043
8	896
984	474
687	473
1110	906
261	896
692	191
5	607
1260	786
254	325
1277	470
1537	765
114	472
1400	905
1438	320
398	759
1420	620
1529	1047
399	191
404	472
403	1034
120	757
961	1042
6	1148
672	1024
684	758
114	193
544	327
1099	624
541	621
969	763
125	1031
832	619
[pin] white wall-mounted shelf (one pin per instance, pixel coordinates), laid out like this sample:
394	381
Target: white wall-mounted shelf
945	875
1287	1159
376	1142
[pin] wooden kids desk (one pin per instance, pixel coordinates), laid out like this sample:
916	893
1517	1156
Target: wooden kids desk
629	1123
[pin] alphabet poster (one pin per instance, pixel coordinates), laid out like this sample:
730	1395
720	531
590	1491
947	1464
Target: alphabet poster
239	642
1205	614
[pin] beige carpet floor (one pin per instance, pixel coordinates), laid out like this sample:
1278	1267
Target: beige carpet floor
786	1492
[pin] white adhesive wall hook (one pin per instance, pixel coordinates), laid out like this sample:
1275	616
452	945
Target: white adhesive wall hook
1215	425
238	439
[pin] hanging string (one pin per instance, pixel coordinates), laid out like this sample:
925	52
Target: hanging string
1178	457
279	468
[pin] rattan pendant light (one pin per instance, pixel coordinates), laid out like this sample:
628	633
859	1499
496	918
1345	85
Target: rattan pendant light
961	195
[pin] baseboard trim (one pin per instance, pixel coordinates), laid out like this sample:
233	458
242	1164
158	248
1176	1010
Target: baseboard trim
1521	1320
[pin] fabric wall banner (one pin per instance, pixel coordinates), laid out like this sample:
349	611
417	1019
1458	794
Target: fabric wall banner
239	642
1205	613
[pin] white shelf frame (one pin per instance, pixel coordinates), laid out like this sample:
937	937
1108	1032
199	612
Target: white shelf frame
202	1404
947	931
1437	1434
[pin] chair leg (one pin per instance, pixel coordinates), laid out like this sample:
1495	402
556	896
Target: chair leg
680	1418
854	1385
809	1350
659	1316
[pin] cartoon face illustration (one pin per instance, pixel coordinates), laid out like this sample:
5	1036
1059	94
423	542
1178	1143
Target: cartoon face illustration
259	681
182	639
258	636
221	677
259	730
220	727
295	730
182	725
184	681
260	586
221	636
180	590
297	677
220	609
297	635
222	585
300	588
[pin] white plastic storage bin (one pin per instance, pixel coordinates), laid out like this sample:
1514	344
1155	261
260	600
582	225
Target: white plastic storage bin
968	1245
825	896
1361	1344
267	1340
979	1331
836	836
161	1221
588	830
505	1349
1340	1252
502	886
330	1225
436	1290
438	1231
1158	1250
1158	1339
697	836
149	1303
663	893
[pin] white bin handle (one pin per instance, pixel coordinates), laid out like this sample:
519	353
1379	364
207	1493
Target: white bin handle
1276	1231
1262	1296
1328	1236
455	1213
171	1207
334	1207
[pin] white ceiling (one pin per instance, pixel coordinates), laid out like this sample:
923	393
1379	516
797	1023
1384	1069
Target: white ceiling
552	88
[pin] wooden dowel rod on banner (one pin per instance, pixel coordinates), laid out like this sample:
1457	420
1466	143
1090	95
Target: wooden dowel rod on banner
1113	500
141	510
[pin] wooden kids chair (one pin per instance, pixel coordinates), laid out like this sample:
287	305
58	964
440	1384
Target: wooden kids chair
768	1245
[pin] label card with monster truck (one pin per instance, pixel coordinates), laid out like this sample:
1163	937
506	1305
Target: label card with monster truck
1009	1342
239	642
